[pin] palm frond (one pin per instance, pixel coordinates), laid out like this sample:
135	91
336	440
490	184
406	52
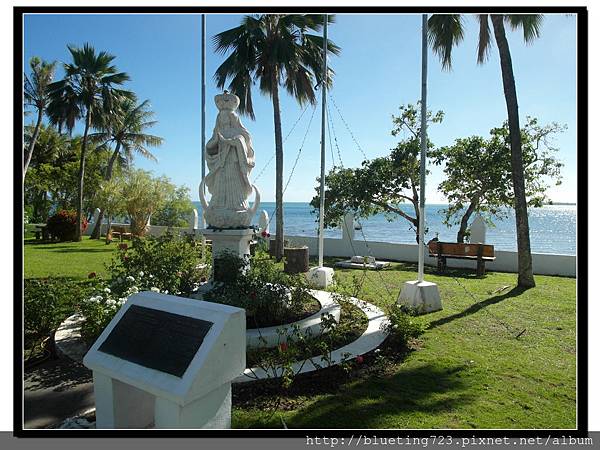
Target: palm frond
530	23
444	32
485	42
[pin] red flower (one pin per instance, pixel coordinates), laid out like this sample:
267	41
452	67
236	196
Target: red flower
360	359
92	275
268	234
123	246
125	258
283	347
264	234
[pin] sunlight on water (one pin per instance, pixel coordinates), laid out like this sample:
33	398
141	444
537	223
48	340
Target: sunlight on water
552	228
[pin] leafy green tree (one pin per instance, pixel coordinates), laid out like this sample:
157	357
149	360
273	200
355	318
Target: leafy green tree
274	50
478	172
111	199
36	95
143	195
126	131
381	184
176	210
90	83
446	31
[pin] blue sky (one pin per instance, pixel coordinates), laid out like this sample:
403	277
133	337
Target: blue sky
377	70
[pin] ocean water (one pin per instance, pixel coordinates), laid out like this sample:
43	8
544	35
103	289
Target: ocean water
552	228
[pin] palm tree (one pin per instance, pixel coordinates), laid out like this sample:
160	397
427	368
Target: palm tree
36	95
274	50
89	84
126	131
446	31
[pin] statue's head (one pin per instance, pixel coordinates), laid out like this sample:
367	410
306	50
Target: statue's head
227	101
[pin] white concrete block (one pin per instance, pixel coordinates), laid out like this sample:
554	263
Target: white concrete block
423	296
320	277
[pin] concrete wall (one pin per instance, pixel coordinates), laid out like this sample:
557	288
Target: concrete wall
543	264
347	246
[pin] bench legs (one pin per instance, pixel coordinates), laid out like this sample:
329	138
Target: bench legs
441	263
480	267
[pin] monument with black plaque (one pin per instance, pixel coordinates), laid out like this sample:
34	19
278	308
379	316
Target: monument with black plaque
230	159
167	362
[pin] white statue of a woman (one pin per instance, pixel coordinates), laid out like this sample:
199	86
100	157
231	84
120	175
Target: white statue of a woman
230	158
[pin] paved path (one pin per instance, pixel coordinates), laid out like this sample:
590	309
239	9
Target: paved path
56	390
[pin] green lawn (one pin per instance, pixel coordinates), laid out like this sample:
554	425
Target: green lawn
67	259
495	357
471	369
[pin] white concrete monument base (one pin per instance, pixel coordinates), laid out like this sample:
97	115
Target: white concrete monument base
423	296
320	277
233	242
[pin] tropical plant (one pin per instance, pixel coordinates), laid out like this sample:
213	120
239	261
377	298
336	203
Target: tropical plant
126	130
274	50
36	95
110	198
142	196
446	31
63	225
89	83
380	185
478	172
177	209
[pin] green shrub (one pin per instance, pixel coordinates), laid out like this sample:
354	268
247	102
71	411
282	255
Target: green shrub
47	302
268	295
63	225
403	327
168	263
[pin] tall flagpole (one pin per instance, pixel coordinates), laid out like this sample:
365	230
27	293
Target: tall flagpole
203	126
323	118
423	149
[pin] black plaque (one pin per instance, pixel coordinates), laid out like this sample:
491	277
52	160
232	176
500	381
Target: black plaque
156	339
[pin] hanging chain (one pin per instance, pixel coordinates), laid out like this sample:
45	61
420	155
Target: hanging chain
347	127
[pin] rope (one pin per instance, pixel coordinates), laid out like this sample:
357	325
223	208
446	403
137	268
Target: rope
284	139
347	126
295	162
334	137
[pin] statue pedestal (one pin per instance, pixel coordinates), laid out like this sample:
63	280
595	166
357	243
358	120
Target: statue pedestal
233	242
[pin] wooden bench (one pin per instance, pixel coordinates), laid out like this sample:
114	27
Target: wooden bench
41	232
121	232
475	252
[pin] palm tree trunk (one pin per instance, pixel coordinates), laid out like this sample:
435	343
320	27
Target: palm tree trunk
34	138
525	278
107	176
278	172
462	231
88	119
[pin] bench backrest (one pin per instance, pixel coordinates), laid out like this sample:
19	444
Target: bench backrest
459	249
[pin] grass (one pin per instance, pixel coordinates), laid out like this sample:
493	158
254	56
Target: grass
67	259
494	357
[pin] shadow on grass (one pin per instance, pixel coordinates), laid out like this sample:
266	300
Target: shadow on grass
514	292
80	250
369	402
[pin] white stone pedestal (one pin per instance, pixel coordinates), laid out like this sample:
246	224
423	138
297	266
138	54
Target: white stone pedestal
320	277
423	297
233	242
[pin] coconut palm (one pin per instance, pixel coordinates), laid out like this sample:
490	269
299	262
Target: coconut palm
274	50
446	31
126	131
89	84
36	96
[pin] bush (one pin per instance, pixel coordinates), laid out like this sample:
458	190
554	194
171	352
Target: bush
168	264
403	327
47	302
268	295
63	225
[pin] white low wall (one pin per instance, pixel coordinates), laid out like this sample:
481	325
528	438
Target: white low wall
154	230
543	264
